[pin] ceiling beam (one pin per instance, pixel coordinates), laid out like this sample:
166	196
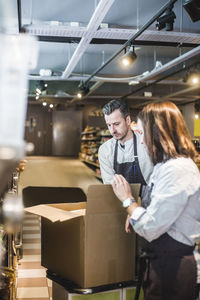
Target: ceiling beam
109	41
183	91
95	21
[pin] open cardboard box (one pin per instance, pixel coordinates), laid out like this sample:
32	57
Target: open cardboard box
86	242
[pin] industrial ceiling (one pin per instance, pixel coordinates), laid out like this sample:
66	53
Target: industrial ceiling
81	42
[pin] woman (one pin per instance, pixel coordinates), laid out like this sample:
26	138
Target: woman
170	217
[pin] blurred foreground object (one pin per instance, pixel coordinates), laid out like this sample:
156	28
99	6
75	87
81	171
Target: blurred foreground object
13	211
21	165
17	55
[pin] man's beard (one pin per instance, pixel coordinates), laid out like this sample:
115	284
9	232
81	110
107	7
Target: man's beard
120	138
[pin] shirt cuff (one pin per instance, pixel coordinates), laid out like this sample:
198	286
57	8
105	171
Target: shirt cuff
137	214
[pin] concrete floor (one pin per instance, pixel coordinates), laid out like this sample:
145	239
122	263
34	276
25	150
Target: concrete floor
56	171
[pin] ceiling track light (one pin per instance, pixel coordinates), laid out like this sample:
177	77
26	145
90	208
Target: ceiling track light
83	90
129	57
192	76
167	20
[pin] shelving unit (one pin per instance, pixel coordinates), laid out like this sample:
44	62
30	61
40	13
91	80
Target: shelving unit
91	139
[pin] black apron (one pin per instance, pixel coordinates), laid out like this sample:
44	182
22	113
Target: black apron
130	170
168	269
132	173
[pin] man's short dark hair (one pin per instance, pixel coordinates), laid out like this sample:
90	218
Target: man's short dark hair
116	104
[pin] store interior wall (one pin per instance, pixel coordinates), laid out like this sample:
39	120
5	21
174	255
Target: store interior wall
38	130
67	127
58	133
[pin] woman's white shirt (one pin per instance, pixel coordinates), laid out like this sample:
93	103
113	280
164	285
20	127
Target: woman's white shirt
175	203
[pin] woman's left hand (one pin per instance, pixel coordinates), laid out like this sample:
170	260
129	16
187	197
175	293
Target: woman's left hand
121	188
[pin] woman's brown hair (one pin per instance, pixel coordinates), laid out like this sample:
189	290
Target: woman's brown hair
165	132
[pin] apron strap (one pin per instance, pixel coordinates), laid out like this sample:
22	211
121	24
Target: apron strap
135	146
144	260
115	156
116	151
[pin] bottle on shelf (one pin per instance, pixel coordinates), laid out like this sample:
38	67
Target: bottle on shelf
91	139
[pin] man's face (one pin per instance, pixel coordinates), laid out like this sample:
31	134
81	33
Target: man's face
117	125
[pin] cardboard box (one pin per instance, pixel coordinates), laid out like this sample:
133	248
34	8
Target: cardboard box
88	246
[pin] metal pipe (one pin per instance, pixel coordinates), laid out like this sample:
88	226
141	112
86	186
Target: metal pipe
19	14
147	84
172	63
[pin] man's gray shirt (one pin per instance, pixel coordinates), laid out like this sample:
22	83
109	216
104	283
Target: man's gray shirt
106	158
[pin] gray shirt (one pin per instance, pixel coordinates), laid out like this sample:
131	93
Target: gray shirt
126	154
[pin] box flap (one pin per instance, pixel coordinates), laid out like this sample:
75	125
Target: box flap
36	195
69	206
101	198
54	214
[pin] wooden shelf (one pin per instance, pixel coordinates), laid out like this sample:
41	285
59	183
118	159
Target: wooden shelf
88	132
90	162
106	135
91	139
98	176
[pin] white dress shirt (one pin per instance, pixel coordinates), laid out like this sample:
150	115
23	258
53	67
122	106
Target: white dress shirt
175	203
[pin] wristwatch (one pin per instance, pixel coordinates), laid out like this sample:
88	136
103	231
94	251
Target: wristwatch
127	202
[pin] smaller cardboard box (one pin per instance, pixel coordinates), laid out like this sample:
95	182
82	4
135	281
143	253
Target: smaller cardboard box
86	242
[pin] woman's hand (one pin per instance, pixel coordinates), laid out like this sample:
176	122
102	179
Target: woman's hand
128	227
121	188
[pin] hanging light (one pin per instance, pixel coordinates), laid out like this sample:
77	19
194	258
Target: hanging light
79	95
129	57
83	90
44	103
38	91
194	78
167	20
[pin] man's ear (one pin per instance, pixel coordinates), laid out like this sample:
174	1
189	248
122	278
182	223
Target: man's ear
128	120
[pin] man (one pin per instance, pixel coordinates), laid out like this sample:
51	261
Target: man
124	153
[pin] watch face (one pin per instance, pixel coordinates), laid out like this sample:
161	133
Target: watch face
127	202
